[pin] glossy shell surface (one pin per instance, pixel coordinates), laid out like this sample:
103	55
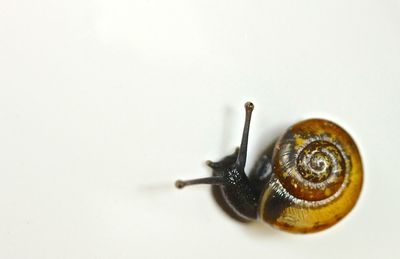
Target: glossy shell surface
317	177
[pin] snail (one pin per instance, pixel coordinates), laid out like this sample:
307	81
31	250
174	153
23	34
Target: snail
312	181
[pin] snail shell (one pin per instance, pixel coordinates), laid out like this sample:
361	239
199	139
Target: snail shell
317	177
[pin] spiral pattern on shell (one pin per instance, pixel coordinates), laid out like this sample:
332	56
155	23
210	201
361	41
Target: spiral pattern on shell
311	165
317	177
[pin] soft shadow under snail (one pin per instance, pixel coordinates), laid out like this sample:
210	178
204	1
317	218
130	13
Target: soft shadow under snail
315	181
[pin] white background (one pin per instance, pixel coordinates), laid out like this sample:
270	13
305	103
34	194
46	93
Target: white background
103	104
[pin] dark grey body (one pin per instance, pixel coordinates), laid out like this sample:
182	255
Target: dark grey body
240	193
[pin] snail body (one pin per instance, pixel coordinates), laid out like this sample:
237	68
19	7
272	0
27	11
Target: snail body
315	181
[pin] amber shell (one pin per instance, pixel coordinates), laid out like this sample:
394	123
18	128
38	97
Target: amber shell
317	178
